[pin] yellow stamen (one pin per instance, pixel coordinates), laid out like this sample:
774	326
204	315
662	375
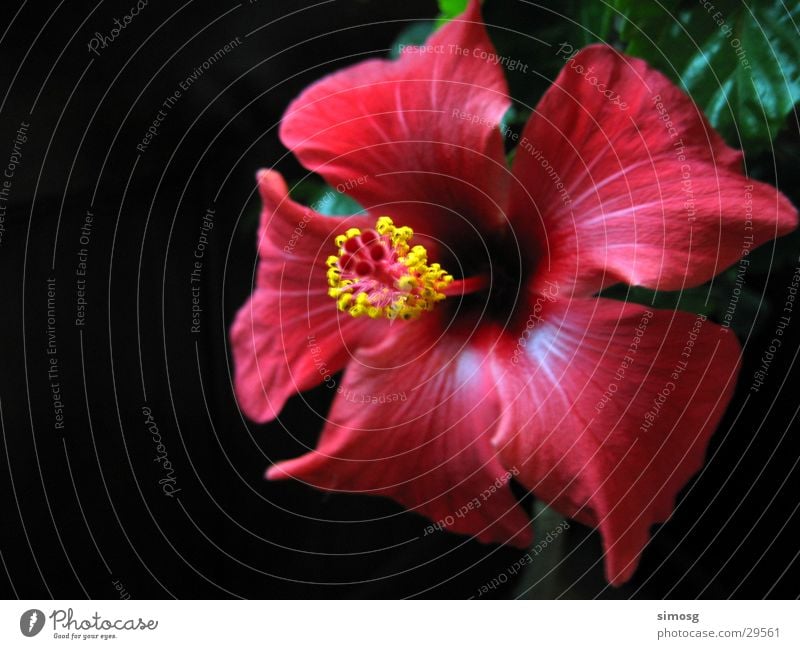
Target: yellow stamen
378	274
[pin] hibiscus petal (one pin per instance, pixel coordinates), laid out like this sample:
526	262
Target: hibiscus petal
413	421
622	179
398	136
609	410
289	336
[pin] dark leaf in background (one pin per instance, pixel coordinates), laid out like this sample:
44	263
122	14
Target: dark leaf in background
740	61
323	198
415	34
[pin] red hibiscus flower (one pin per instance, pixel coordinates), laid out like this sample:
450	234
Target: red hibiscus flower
473	345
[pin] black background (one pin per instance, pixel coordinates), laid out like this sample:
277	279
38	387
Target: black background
81	506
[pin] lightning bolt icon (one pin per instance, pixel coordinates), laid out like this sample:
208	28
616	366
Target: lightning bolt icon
32	621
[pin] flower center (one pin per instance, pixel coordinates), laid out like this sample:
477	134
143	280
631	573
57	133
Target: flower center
378	274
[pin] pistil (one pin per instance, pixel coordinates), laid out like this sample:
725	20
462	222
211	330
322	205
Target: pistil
378	273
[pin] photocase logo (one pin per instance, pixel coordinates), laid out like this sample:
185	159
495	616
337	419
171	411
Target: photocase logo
31	622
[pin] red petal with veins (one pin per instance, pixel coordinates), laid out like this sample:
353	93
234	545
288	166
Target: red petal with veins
413	421
289	336
398	134
651	194
608	410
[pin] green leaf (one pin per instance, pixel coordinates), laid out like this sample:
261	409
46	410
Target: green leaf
740	62
525	36
644	25
758	67
416	34
597	21
334	203
449	9
693	300
728	299
324	199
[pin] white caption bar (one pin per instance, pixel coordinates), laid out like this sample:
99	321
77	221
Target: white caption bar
370	624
